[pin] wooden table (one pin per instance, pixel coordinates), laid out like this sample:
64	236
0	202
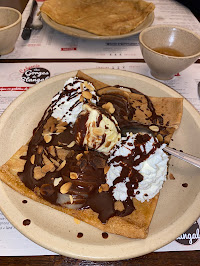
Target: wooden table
155	258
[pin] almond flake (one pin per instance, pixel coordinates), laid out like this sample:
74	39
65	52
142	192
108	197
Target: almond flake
47	168
65	187
73	175
61	166
57	181
55	162
71	144
60	128
81	99
38	174
100	189
78	156
111	110
51	150
71	199
81	86
87	95
32	159
109	107
47	138
88	86
105	187
62	153
106	169
59	131
154	128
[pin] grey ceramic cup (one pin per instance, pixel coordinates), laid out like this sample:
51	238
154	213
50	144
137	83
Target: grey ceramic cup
10	25
163	66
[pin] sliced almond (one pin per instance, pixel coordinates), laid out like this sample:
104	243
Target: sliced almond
61	165
119	206
71	144
87	95
51	150
73	175
55	162
62	153
38	174
71	199
57	181
111	110
59	131
81	86
154	128
109	107
78	156
32	159
60	128
88	86
98	131
105	187
47	168
47	138
65	187
81	99
100	189
106	169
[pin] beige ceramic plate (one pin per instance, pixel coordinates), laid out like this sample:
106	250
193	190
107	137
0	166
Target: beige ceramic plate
87	35
177	209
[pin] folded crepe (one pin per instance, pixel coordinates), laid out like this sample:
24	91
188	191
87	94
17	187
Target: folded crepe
101	17
165	113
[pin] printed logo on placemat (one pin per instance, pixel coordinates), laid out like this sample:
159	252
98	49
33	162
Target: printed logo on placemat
35	75
191	236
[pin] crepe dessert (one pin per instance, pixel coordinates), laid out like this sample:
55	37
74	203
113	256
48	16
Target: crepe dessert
101	17
97	155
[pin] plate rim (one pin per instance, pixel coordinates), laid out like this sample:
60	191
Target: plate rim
104	72
75	32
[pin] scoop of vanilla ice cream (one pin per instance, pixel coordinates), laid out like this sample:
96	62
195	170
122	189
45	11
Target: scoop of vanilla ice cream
146	160
96	130
66	104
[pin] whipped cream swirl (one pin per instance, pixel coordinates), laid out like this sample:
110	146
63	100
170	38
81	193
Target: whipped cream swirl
67	104
138	167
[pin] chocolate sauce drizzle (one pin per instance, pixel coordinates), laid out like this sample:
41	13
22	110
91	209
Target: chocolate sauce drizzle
90	167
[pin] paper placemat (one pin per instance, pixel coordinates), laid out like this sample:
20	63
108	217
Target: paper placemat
19	77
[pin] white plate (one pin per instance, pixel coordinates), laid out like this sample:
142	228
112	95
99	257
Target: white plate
87	35
177	209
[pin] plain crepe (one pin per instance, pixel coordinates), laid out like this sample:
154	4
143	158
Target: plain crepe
101	17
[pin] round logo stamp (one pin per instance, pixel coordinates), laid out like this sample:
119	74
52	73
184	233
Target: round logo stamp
35	75
191	236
